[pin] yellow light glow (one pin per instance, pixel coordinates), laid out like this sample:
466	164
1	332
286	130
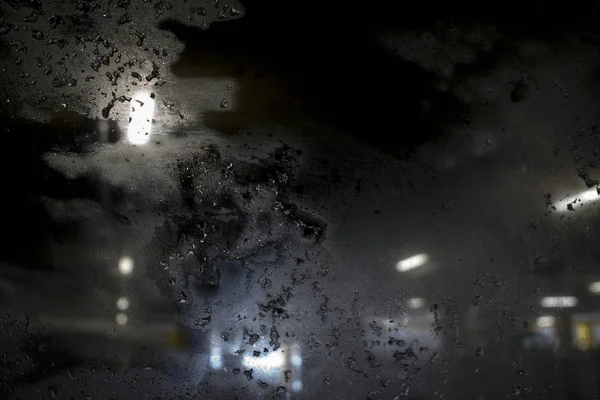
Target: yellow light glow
583	337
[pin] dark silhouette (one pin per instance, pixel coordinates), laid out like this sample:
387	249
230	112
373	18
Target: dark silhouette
26	178
294	62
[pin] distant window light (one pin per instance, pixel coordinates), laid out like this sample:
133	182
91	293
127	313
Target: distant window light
415	302
546	321
412	262
595	287
559	302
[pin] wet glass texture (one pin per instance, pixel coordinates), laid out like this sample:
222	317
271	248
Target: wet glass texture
298	200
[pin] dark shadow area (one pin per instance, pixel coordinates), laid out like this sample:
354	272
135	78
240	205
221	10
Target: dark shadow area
27	178
48	355
297	63
297	60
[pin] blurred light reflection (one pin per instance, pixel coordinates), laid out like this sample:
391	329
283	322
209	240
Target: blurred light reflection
267	362
121	318
296	362
122	303
415	303
546	321
413	262
583	336
559	302
216	352
125	265
570	203
297	385
140	123
216	361
595	287
296	357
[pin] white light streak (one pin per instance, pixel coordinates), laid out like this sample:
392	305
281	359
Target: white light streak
559	302
412	262
267	362
296	357
142	111
587	196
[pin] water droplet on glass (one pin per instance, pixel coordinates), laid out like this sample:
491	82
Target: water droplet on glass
262	384
52	390
182	298
249	373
